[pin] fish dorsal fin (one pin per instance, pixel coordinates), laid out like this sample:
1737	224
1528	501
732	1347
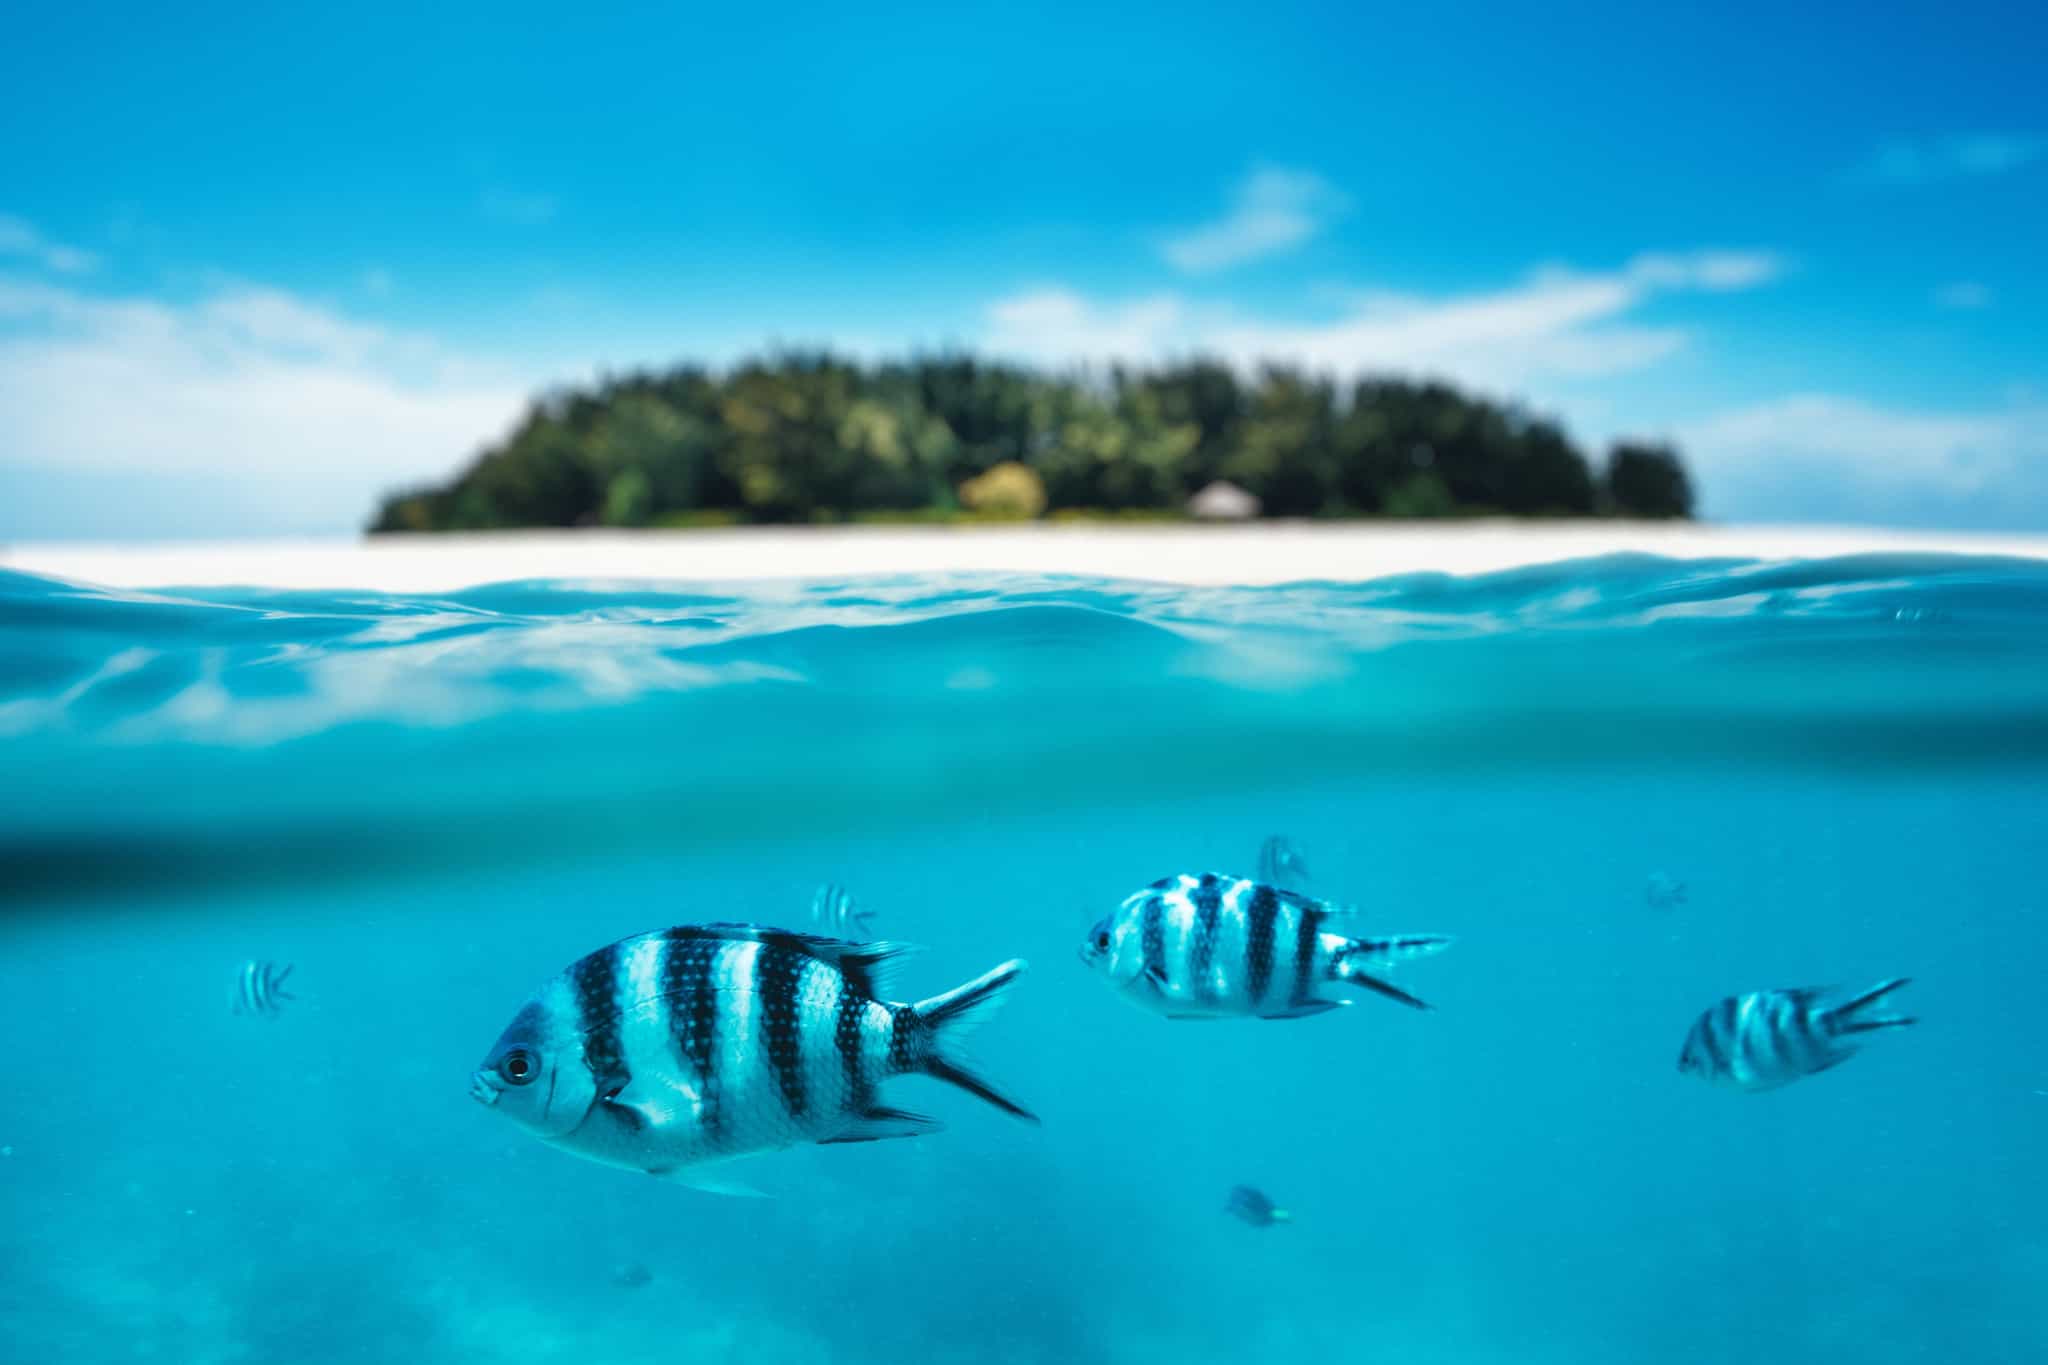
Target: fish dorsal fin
869	968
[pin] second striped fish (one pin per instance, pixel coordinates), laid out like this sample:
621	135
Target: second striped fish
1204	947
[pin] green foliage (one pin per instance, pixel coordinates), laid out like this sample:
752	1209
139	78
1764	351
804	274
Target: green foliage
1645	480
1011	491
813	438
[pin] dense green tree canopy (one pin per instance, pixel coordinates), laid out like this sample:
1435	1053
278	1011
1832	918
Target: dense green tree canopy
812	437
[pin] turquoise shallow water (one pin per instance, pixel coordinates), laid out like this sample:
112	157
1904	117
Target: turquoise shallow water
430	804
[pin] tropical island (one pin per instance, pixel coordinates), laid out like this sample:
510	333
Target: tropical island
810	437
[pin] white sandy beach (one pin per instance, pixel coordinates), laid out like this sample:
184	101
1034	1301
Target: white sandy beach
1265	552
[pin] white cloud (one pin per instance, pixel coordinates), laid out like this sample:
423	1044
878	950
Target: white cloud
305	413
18	237
1556	324
1273	209
1920	163
1845	458
1962	294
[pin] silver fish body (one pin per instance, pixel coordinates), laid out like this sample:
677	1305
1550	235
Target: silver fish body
259	989
688	1046
1765	1039
1211	946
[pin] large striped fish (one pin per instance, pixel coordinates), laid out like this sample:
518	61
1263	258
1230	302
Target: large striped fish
674	1050
1766	1039
1208	947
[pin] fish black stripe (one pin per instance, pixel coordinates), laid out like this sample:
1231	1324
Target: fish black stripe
1152	941
1304	954
777	975
1259	940
846	1036
595	983
693	1015
903	1025
1208	901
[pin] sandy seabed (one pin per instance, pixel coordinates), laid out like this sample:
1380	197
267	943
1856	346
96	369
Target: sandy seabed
1265	552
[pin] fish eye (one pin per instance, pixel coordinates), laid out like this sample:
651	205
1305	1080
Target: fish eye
1102	940
518	1066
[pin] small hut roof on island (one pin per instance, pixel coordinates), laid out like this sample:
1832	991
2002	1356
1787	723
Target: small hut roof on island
1223	501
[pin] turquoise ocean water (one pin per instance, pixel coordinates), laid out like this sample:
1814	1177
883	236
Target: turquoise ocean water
429	804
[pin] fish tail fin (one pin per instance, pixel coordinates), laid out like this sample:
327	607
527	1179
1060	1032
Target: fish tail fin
1848	1017
944	1020
1357	954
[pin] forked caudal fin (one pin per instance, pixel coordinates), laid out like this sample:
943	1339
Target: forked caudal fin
946	1019
1848	1017
1351	960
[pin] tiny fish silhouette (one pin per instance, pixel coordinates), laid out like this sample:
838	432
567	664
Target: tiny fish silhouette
1664	892
1766	1039
632	1275
1281	864
1248	1205
259	989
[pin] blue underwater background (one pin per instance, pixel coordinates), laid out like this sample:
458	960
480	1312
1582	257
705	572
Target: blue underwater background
430	804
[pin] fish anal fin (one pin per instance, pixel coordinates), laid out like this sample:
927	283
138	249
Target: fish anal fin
711	1179
880	1124
1307	1009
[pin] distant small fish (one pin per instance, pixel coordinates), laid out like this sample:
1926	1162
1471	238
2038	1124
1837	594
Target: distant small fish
1251	1206
1664	892
1281	864
671	1051
1766	1039
259	988
833	910
1204	947
632	1275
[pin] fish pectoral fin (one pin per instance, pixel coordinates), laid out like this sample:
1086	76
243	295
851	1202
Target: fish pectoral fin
711	1178
1307	1008
1156	977
875	1125
655	1106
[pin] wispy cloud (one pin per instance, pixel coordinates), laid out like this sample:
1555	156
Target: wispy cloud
1926	162
18	237
1962	295
1272	210
1557	323
1834	457
518	208
300	410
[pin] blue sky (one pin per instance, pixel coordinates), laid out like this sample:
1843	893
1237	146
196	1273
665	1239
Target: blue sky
257	266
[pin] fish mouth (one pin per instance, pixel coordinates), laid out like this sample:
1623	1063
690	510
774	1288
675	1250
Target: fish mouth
483	1089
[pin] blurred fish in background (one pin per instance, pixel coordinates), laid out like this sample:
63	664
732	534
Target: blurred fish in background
1664	892
1248	1205
1281	864
259	988
833	910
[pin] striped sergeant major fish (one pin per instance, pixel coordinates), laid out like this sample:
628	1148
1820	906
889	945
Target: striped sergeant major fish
675	1050
1766	1039
259	989
1281	864
1252	1206
834	912
1210	947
